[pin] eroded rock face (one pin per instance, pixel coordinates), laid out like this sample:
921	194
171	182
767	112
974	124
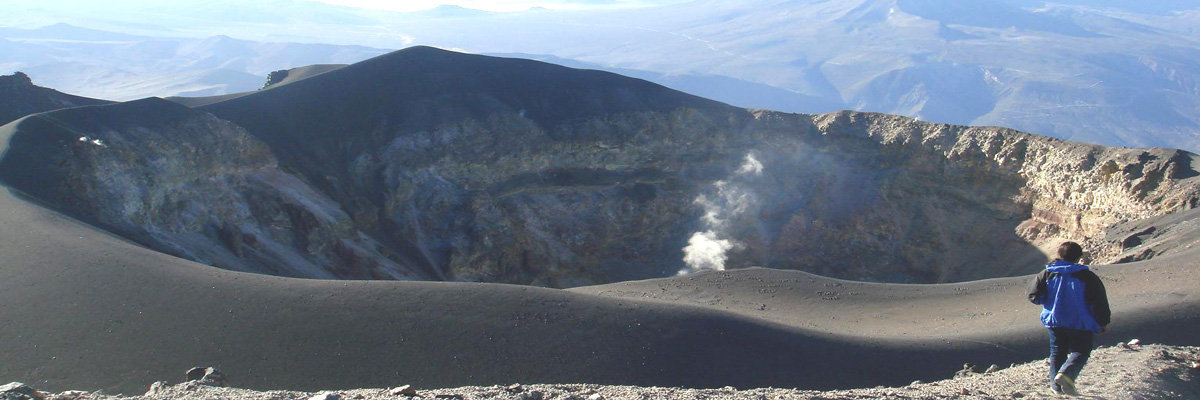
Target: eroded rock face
1073	191
190	184
417	165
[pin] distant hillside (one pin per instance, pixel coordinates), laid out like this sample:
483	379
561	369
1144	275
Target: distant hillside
120	66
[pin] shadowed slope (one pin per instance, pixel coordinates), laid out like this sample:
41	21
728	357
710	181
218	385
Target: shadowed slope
406	84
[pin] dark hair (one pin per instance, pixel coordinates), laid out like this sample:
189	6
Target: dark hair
1070	252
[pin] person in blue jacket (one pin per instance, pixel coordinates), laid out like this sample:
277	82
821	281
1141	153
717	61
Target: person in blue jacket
1074	308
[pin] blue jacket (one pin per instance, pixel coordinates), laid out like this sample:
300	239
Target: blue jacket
1071	296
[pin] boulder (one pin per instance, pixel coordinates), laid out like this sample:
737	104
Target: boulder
156	387
326	396
406	390
968	369
69	395
207	376
18	391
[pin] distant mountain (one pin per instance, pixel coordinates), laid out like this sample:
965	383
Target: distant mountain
125	67
450	11
20	97
62	31
1156	7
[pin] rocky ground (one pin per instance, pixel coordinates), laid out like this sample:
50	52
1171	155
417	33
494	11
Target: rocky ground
1118	372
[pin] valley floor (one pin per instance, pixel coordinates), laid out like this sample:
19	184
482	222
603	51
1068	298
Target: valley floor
1138	372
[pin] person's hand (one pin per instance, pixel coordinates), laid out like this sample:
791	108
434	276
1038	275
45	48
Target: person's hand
1104	329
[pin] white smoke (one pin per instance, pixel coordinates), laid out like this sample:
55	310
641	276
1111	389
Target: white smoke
705	251
751	166
708	249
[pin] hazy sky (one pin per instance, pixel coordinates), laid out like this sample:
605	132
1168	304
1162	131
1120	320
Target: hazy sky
505	5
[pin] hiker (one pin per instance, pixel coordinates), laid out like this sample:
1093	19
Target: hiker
1074	307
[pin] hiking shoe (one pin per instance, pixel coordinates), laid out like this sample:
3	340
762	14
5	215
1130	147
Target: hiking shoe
1066	384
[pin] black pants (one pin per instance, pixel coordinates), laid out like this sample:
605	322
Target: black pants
1069	351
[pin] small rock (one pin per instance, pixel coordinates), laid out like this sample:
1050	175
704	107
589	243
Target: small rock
992	368
18	391
207	376
531	395
1195	365
965	392
915	383
596	396
156	387
514	388
967	370
69	395
1134	342
449	396
359	396
1124	346
326	396
406	390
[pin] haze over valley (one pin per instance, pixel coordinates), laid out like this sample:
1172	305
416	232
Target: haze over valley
1113	73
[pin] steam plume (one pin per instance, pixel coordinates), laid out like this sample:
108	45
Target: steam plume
708	249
